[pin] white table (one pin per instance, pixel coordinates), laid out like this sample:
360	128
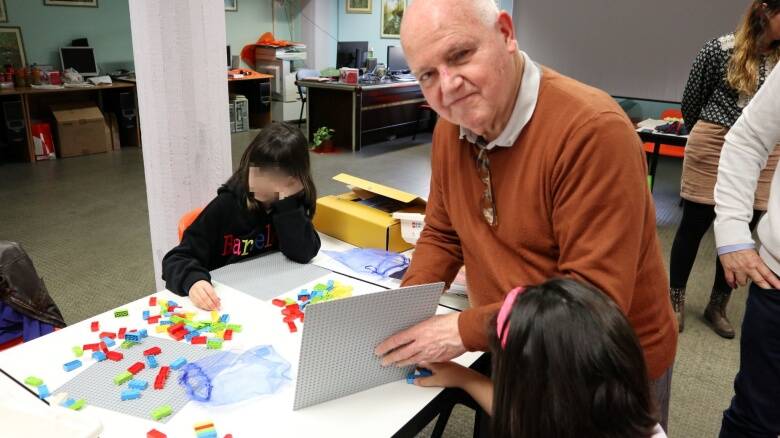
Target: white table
380	411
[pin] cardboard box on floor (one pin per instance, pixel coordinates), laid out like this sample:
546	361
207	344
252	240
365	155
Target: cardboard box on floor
364	216
81	130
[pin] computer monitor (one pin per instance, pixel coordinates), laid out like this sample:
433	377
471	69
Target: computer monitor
81	59
351	54
229	59
396	61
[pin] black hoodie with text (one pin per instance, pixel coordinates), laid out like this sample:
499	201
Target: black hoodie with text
227	232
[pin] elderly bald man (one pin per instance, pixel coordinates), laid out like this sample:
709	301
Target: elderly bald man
534	175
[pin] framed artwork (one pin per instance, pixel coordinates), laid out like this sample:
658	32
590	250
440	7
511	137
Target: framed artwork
359	7
86	3
12	47
231	5
390	21
3	12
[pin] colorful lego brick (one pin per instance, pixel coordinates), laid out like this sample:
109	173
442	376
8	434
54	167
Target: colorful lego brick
198	340
145	315
67	402
224	318
410	378
136	368
214	316
72	365
214	344
115	356
111	335
127	344
109	342
291	326
99	356
178	363
143	333
93	347
78	404
33	381
235	327
133	337
103	347
188	337
162	376
154	433
205	430
152	301
172	303
78	350
43	391
179	335
175	319
153	319
176	327
122	378
94	326
119	313
152	351
171	308
162	412
138	384
278	302
151	361
160	329
121	334
130	394
228	335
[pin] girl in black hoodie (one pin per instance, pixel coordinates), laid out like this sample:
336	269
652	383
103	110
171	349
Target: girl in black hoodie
267	205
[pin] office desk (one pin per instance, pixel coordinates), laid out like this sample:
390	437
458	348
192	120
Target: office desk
36	102
257	89
393	409
363	114
658	138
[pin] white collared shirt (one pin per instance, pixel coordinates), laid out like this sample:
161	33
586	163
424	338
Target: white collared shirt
525	104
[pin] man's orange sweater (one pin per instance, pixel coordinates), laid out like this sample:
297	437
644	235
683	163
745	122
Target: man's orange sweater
572	200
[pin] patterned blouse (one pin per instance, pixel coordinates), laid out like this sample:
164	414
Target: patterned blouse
708	95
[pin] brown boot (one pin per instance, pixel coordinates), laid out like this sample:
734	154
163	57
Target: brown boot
677	295
715	314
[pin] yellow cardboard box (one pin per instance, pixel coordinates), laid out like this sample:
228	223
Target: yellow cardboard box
364	216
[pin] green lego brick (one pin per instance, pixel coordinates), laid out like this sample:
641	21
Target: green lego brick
214	344
127	344
78	351
122	378
235	327
34	381
161	412
78	405
120	313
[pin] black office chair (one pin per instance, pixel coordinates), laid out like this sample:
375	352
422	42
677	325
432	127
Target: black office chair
302	74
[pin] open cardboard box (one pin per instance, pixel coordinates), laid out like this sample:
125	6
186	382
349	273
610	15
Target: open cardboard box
364	216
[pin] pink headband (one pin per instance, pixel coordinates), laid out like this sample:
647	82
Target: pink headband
503	314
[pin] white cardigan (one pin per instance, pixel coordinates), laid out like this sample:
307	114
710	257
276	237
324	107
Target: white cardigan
745	152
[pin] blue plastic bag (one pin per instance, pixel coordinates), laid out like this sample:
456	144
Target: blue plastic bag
371	261
226	377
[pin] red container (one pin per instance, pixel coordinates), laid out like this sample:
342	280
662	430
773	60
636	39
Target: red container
44	143
55	78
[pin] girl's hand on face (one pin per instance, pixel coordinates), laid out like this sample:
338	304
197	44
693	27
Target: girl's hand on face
289	187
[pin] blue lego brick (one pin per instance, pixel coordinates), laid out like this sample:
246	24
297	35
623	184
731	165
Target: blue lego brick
224	318
138	384
130	394
190	328
145	315
99	356
143	333
43	391
165	322
178	363
410	378
188	337
68	402
172	303
108	341
133	337
72	365
422	372
151	361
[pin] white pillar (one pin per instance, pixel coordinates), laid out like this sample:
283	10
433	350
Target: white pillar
319	31
179	53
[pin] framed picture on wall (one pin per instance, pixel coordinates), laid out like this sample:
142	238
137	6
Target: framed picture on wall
231	5
3	13
12	47
359	7
86	3
390	21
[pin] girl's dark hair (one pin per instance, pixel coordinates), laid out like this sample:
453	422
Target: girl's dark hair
572	367
278	146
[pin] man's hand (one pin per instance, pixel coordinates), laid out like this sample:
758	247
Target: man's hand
434	340
203	296
741	266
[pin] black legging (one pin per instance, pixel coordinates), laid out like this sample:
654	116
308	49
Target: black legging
696	220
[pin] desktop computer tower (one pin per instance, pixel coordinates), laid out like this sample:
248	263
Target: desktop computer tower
14	132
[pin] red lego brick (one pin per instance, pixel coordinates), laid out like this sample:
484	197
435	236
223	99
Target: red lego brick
152	351
290	318
152	301
115	356
277	302
171	308
203	426
162	376
93	347
292	327
103	347
95	326
107	335
179	335
294	307
176	327
153	319
154	433
122	332
228	335
230	435
199	340
136	368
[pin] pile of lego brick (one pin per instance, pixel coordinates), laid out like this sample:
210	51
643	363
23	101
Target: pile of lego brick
295	309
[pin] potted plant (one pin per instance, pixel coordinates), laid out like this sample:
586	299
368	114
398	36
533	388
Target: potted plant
322	140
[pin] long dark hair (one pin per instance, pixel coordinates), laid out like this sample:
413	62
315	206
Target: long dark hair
279	146
572	367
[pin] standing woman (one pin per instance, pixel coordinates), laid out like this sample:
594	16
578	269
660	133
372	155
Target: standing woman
726	74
